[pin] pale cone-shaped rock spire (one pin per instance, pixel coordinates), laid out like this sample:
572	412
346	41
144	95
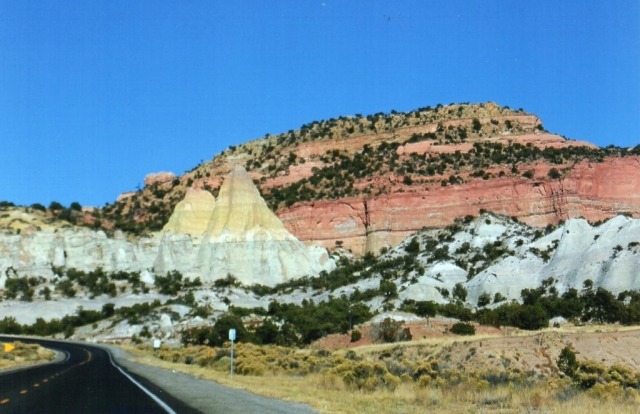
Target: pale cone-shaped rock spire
240	236
241	214
191	215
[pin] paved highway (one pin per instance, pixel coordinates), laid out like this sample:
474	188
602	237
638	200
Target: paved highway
86	381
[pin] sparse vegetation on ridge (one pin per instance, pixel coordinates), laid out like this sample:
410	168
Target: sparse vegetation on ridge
340	173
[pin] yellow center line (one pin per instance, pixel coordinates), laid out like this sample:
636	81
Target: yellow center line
45	380
23	392
36	385
6	400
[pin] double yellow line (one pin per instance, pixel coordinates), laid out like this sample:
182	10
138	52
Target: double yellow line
36	385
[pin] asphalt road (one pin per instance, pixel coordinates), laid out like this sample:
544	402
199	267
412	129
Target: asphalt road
87	380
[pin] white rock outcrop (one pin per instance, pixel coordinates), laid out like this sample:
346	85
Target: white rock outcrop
192	215
247	240
607	254
205	238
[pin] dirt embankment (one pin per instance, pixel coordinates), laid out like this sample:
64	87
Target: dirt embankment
499	349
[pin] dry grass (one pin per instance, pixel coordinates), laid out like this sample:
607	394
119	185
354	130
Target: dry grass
24	355
406	378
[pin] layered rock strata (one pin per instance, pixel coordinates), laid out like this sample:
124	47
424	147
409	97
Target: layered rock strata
595	191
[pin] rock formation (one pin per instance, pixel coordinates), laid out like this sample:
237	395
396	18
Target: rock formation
381	208
236	235
241	214
594	191
158	178
245	239
191	215
608	255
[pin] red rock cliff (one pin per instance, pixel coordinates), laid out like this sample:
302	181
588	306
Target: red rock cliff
592	191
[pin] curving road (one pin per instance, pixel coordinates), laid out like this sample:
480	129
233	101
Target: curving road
86	381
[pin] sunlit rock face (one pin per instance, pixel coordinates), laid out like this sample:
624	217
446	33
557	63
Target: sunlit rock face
243	238
191	215
37	253
241	215
205	238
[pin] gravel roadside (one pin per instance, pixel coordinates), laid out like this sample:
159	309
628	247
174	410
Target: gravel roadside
207	396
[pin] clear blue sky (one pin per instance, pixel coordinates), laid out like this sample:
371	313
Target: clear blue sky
96	94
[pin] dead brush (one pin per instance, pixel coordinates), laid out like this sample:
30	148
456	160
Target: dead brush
24	354
346	381
366	376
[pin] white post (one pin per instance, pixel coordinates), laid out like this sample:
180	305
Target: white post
232	337
231	359
156	346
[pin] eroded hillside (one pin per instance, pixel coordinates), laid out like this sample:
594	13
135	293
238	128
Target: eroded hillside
368	182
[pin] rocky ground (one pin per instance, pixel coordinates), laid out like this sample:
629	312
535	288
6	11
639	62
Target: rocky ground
498	349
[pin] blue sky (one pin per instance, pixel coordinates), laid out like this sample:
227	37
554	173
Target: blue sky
95	95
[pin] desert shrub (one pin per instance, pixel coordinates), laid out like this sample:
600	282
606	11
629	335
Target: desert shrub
170	284
54	205
460	292
623	376
498	297
388	289
10	326
462	328
388	330
311	321
607	391
356	335
567	362
426	369
65	286
484	299
554	174
38	206
251	367
227	282
390	381
365	376
413	246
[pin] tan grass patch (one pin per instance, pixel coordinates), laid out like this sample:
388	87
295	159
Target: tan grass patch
24	355
408	378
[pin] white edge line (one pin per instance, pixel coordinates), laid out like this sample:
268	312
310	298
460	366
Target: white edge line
149	393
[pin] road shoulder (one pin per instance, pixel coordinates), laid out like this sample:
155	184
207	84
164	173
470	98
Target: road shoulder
203	395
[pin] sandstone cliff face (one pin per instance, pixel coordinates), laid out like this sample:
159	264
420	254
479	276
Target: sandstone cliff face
158	178
236	235
245	239
379	208
593	191
191	215
35	254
